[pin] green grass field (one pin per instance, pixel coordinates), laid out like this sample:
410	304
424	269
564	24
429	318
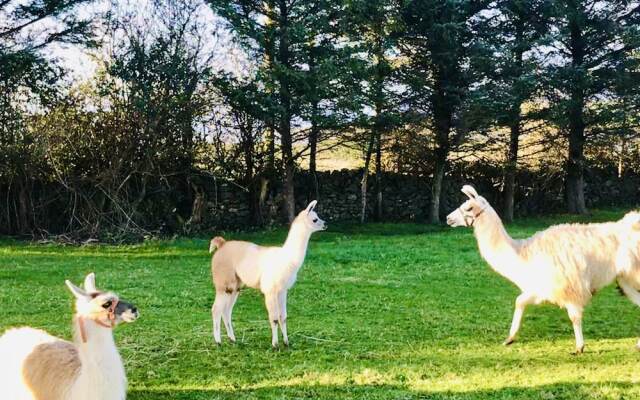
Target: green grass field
381	311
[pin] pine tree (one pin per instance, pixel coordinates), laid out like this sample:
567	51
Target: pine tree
590	39
274	32
373	28
509	34
437	44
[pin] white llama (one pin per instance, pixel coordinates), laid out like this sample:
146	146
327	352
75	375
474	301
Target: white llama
273	270
37	366
563	265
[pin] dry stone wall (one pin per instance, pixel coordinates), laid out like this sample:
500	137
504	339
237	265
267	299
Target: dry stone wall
406	198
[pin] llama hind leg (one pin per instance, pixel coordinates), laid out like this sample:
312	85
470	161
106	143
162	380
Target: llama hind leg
632	294
227	316
522	301
217	310
575	315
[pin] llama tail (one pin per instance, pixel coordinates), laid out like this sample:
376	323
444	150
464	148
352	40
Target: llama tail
216	243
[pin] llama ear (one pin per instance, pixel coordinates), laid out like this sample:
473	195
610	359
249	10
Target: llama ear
311	206
469	191
79	293
90	283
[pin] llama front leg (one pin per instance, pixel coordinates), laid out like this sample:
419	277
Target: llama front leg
282	317
522	301
632	294
575	315
271	301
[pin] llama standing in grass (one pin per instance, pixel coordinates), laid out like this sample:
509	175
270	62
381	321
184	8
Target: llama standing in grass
563	265
37	366
273	270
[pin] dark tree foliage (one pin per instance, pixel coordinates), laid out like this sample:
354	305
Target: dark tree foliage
29	80
591	41
32	25
329	93
304	65
241	120
510	32
372	27
423	88
275	32
438	43
119	154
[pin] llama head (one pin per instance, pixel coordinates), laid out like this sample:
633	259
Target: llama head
466	214
102	306
310	219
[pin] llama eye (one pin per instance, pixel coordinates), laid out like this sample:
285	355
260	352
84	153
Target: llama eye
315	220
107	304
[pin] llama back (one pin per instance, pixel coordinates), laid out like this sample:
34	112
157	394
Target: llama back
233	264
35	363
582	256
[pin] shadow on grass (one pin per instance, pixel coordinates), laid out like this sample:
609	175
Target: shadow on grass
557	391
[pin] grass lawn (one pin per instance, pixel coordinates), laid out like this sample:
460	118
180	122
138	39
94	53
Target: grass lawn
381	311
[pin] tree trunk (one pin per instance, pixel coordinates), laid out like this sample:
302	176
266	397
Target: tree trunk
315	129
250	181
363	182
515	120
289	170
443	116
23	209
510	171
378	212
621	156
575	169
271	152
574	186
270	135
314	192
198	206
378	124
436	188
285	116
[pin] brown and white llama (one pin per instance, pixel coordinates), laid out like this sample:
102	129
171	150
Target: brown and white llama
563	265
272	270
37	366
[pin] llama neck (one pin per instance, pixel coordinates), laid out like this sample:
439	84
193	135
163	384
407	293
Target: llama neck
496	246
102	373
94	337
295	247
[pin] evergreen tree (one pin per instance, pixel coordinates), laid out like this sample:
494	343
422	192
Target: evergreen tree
438	45
329	94
591	40
509	34
274	33
373	29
